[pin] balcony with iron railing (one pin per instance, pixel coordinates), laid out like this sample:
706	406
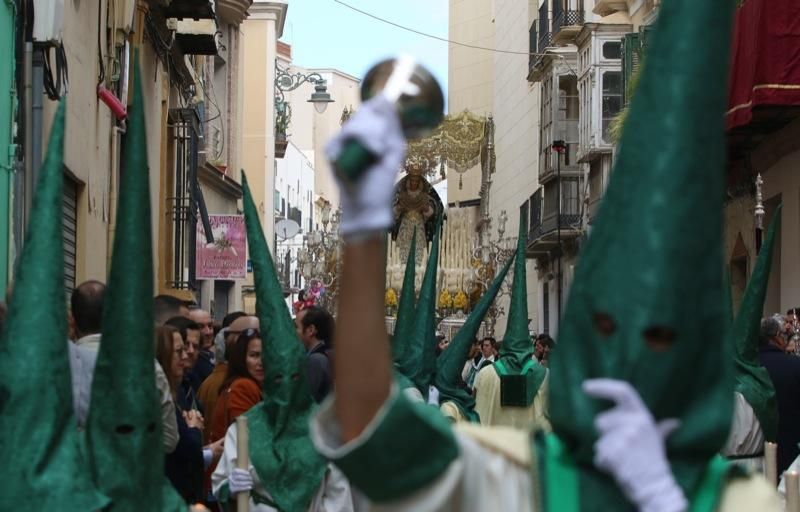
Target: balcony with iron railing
194	24
540	40
548	164
567	23
546	229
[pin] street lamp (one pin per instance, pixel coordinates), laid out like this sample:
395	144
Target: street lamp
285	81
320	257
490	255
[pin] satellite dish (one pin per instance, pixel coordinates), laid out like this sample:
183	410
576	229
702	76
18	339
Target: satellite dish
286	229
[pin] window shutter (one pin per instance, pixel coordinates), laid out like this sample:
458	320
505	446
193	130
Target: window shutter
631	56
70	231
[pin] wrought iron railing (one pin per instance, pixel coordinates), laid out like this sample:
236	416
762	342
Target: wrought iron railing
544	41
535	210
532	45
566	18
550	224
183	203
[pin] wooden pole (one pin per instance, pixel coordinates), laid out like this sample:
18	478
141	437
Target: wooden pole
242	460
771	463
792	482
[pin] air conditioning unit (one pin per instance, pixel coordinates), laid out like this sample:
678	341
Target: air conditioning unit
48	20
124	11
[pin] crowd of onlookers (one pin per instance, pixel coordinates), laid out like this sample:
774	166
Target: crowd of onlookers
484	352
207	374
778	351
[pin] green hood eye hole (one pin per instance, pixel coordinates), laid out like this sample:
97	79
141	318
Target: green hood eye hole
659	338
278	379
604	324
295	377
124	429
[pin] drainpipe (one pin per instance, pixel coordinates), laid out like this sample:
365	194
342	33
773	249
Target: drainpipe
36	124
25	192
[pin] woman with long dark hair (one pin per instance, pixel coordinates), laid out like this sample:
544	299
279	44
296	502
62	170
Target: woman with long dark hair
184	466
241	388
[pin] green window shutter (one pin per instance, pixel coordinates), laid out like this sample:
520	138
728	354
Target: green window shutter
630	61
645	33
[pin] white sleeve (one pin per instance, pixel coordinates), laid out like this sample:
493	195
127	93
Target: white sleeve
478	479
746	436
81	362
465	371
227	462
168	420
334	493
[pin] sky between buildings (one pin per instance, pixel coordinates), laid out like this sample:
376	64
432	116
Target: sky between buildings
325	34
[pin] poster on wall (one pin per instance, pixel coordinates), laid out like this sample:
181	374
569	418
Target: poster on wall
226	258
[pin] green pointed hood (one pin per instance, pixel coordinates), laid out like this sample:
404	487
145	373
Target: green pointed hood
280	446
404	323
450	363
727	300
517	347
38	436
646	304
752	379
422	343
520	375
124	425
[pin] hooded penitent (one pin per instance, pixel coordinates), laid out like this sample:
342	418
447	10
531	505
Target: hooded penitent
520	376
404	324
421	347
39	446
646	304
752	379
280	447
450	362
123	432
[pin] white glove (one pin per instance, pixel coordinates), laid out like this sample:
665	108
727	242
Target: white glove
240	481
631	448
367	204
433	396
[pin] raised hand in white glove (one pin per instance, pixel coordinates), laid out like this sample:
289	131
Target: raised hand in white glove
433	396
631	448
367	203
240	481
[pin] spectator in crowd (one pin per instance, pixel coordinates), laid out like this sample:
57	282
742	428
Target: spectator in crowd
784	370
184	466
441	343
314	328
202	318
542	347
86	315
485	357
189	385
233	325
166	307
85	318
241	389
205	356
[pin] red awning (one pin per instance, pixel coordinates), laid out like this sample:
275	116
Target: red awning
766	58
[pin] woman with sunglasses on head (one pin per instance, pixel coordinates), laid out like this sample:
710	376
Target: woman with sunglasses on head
184	466
241	388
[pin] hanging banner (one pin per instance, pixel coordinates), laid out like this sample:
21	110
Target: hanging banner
766	52
226	258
